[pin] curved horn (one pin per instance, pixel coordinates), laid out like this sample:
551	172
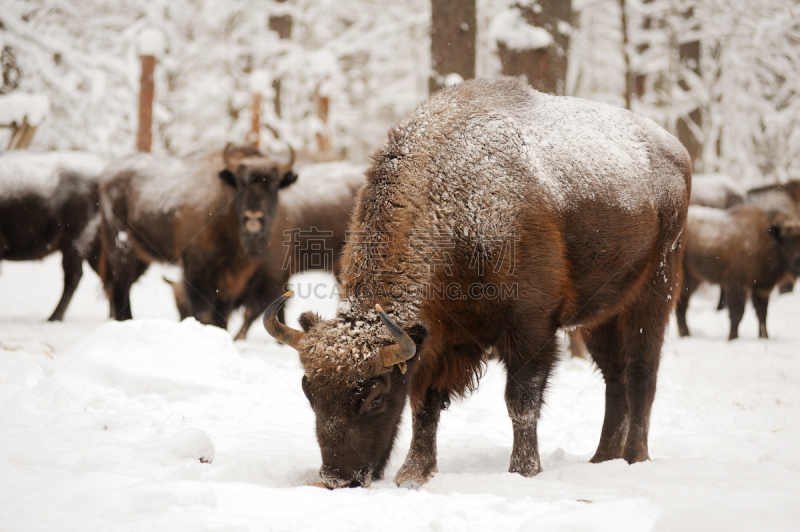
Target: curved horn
231	158
278	330
283	168
404	349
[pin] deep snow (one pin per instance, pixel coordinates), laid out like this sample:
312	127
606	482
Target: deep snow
103	426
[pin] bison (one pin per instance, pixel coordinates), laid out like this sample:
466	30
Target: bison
308	233
210	212
48	203
493	216
743	249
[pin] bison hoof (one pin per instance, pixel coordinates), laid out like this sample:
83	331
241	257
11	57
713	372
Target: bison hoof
600	457
529	469
413	476
638	456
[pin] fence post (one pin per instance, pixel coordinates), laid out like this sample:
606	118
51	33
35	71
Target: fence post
146	90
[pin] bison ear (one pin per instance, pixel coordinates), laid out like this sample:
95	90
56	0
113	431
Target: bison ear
288	179
774	230
228	177
308	319
417	331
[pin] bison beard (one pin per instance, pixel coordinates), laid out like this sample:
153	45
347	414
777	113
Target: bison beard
595	200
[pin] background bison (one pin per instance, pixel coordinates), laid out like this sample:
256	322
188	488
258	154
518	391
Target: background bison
594	200
307	233
744	250
48	203
210	212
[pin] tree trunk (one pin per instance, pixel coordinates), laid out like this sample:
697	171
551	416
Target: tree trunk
544	68
689	53
282	25
453	30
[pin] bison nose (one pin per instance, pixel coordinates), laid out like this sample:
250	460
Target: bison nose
333	478
253	221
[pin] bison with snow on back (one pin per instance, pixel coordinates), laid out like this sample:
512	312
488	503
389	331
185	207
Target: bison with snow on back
577	208
308	233
210	212
48	203
743	249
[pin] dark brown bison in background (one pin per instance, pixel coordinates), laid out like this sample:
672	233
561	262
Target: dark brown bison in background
783	198
210	212
308	233
48	203
743	249
578	208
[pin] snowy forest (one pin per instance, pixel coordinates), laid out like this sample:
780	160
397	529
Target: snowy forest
720	74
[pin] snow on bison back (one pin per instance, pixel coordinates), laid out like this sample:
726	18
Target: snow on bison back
492	217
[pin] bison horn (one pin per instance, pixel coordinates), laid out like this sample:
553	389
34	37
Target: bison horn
403	350
284	168
278	330
232	156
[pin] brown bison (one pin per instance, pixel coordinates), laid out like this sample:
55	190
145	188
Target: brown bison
783	198
210	212
308	233
743	249
494	216
48	203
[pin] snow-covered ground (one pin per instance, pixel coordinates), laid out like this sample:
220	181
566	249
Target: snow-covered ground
158	425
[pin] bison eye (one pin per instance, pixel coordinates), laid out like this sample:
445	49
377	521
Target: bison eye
378	401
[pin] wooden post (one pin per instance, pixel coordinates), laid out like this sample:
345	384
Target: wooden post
22	135
255	125
146	90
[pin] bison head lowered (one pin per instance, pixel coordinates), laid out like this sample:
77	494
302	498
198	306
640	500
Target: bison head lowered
257	179
356	381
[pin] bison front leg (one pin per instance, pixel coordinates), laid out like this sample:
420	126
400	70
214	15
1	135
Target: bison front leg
420	463
528	368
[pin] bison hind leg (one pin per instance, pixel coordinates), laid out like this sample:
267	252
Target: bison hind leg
603	342
760	300
627	348
72	263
